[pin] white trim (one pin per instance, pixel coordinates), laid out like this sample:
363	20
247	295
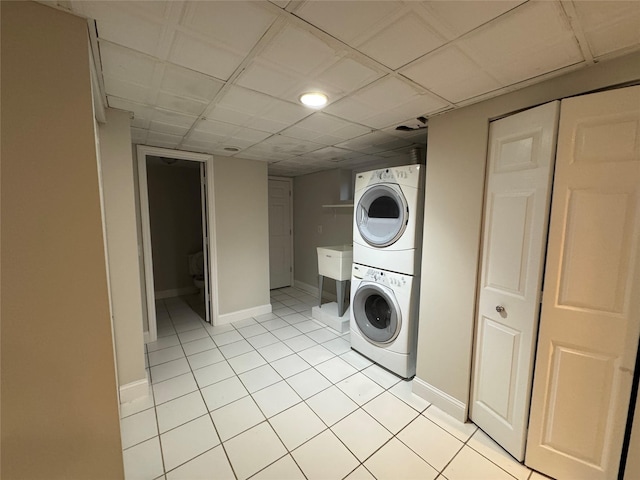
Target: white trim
290	181
311	290
440	399
175	292
146	337
134	390
242	314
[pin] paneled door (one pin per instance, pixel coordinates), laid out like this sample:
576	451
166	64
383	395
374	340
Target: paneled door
280	235
590	318
516	217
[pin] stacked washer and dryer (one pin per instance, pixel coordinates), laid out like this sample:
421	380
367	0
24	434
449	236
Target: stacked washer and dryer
387	241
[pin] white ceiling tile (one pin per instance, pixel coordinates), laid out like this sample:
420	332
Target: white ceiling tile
532	40
251	135
245	100
205	138
266	124
140	112
281	144
321	125
216	60
163	139
280	3
347	75
266	78
285	112
451	74
347	20
610	26
215	127
462	16
167	128
229	115
187	83
126	64
120	88
404	40
180	104
197	146
138	135
172	118
236	24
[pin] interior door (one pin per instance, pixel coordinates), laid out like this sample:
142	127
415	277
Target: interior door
205	241
590	318
516	216
280	239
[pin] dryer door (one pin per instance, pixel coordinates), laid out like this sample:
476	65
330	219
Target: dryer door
382	215
376	312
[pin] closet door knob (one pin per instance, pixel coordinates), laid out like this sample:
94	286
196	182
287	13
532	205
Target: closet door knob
499	309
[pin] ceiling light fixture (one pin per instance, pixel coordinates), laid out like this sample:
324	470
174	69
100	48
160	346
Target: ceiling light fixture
232	149
313	99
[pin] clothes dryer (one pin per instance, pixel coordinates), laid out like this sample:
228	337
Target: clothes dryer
384	318
387	223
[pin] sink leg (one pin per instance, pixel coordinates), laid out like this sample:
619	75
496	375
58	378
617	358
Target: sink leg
341	287
320	283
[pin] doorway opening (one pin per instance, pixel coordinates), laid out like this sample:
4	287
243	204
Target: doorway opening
176	205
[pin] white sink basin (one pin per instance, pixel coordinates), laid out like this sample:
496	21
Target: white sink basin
335	261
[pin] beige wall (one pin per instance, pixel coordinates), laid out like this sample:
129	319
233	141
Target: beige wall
310	192
455	178
176	222
122	245
59	400
242	234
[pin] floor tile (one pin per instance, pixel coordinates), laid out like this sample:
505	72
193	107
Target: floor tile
186	441
283	469
263	340
252	330
138	405
275	351
165	355
324	457
236	348
198	346
144	461
470	465
187	325
192	335
336	369
218	329
308	326
227	338
179	411
165	331
331	405
395	460
381	376
244	323
360	473
213	373
254	449
290	365
316	354
360	388
246	361
224	392
276	398
203	359
299	343
275	324
164	342
283	311
297	425
295	318
236	417
174	388
462	431
356	360
486	447
403	390
431	442
308	383
265	317
138	428
168	370
322	335
538	476
259	378
361	434
390	411
285	333
211	464
337	346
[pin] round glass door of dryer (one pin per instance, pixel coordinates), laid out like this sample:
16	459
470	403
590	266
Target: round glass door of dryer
377	313
381	215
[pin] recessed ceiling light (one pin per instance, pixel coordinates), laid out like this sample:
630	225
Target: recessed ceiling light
232	149
313	99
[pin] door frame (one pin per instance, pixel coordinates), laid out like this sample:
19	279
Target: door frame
289	180
146	254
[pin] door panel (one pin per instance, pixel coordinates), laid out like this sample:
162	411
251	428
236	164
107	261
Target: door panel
590	318
521	157
280	264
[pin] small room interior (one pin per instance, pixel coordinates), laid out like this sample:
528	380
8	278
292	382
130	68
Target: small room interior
134	389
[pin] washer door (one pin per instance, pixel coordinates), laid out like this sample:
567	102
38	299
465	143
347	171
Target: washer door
376	312
381	215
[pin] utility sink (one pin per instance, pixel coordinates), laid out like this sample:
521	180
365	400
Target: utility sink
335	261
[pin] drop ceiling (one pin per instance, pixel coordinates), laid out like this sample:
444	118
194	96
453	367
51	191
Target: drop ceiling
206	76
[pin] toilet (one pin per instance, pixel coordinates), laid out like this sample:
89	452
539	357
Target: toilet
196	270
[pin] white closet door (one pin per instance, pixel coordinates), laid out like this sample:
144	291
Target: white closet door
280	262
516	216
591	308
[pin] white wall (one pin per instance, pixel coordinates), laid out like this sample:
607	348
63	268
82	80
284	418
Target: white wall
122	245
455	177
242	237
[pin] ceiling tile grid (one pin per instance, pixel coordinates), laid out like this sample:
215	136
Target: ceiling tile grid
208	75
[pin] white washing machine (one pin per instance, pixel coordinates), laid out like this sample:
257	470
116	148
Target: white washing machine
384	318
387	222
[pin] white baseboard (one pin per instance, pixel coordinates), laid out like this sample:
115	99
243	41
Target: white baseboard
440	399
134	390
175	292
242	314
311	290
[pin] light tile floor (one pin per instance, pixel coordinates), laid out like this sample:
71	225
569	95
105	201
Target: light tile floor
283	397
